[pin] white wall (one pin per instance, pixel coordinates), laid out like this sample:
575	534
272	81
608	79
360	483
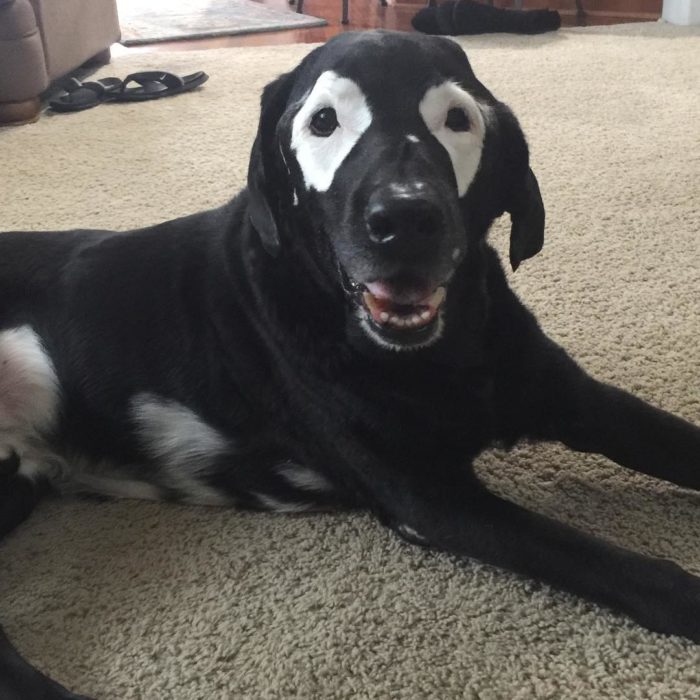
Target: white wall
681	11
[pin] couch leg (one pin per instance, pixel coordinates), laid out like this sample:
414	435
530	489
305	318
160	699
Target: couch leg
100	59
16	113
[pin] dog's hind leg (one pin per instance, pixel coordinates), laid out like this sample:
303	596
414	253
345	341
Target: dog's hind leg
18	494
28	409
19	680
29	405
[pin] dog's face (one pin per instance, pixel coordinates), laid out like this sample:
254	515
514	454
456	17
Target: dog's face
392	159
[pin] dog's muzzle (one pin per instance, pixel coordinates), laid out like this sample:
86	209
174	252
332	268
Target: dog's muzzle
405	228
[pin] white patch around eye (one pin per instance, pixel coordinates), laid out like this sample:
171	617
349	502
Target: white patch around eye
463	147
319	157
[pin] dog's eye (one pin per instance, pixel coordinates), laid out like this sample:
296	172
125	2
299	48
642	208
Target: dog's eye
324	122
457	120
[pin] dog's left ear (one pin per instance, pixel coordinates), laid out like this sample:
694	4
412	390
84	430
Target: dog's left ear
522	198
264	168
527	220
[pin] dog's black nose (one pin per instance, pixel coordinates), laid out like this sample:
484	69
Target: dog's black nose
405	217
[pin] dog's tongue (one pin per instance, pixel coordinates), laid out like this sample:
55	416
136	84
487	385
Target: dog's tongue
384	291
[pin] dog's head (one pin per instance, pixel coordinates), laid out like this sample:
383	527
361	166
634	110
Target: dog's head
386	155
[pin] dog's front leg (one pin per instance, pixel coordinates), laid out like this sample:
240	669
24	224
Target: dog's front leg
590	416
456	514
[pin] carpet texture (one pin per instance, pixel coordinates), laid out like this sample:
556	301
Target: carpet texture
146	21
131	600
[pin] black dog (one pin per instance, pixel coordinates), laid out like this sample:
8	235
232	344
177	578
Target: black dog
339	335
455	17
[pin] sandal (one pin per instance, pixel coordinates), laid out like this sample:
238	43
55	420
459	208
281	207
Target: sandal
81	96
151	86
155	84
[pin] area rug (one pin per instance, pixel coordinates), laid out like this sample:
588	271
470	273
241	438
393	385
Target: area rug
149	21
136	601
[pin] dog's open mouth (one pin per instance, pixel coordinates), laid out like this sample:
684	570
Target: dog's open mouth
401	313
407	310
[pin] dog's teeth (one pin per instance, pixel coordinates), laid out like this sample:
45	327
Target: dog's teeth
415	320
421	316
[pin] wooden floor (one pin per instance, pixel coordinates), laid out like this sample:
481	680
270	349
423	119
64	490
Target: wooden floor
364	14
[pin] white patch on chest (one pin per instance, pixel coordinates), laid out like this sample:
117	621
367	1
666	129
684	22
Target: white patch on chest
183	445
410	534
304	478
277	506
116	487
319	157
463	147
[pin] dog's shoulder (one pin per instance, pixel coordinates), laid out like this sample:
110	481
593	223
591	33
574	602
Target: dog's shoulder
515	342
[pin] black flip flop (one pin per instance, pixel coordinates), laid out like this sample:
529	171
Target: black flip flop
81	96
155	84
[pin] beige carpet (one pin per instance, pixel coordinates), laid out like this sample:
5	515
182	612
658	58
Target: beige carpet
128	600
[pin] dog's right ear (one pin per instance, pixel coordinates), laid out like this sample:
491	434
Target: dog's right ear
264	169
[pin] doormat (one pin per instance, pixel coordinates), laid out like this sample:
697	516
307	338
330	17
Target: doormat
148	21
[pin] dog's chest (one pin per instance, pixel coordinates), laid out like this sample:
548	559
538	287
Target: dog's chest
409	422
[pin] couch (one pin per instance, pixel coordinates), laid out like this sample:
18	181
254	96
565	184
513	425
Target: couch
41	41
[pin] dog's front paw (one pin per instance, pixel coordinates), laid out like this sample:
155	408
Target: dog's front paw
671	604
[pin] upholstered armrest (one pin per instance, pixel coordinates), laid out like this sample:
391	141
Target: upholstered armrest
23	73
74	31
